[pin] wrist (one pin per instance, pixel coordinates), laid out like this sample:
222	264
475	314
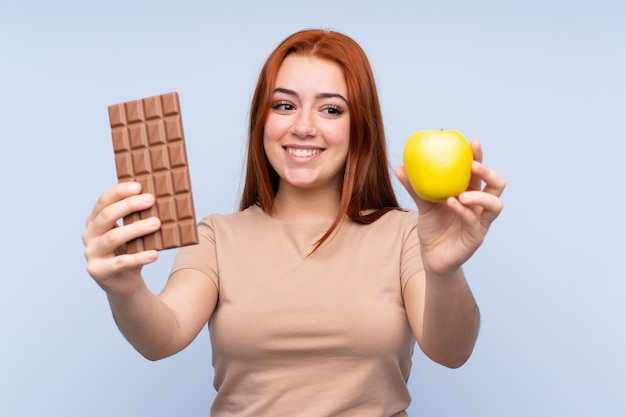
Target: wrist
444	277
133	288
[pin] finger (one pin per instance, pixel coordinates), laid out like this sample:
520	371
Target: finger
404	180
113	194
107	218
467	213
490	205
107	267
109	242
475	180
494	182
477	149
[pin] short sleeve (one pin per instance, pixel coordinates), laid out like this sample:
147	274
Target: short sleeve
201	257
411	257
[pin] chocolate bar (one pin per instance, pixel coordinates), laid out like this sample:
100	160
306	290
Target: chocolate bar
149	146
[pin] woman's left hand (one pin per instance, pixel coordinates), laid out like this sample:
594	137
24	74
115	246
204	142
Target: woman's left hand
450	232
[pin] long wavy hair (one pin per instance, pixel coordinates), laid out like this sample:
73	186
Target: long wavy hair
366	190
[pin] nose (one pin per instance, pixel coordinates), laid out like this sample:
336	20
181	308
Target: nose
304	125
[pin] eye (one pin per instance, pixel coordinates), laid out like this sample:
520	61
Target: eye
332	110
284	106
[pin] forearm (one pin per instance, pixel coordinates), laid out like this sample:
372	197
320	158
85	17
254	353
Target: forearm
146	322
451	319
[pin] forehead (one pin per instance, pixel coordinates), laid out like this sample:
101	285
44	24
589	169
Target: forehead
300	72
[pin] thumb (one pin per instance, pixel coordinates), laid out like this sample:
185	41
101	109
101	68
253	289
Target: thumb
421	204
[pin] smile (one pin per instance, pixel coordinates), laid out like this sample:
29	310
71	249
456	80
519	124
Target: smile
303	153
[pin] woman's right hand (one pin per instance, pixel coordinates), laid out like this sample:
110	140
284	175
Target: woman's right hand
117	272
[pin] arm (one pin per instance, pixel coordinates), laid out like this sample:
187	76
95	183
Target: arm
160	326
157	326
441	309
444	317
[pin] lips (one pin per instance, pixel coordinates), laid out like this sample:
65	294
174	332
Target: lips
303	153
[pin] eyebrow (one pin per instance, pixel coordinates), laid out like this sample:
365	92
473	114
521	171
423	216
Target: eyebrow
319	95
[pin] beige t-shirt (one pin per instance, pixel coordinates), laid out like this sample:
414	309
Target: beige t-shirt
297	335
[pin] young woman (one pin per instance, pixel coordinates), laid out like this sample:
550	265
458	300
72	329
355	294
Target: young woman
317	289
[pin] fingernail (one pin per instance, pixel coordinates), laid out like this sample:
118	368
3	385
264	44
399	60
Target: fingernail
146	198
133	187
152	222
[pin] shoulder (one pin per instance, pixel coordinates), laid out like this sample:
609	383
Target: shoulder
402	216
393	226
244	221
403	219
251	214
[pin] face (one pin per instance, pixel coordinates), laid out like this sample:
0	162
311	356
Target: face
307	132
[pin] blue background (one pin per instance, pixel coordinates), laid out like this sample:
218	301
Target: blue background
540	82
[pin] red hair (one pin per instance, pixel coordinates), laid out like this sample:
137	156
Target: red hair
366	191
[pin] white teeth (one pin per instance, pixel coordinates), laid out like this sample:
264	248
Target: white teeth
303	152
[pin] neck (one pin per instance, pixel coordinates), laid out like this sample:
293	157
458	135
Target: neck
297	205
